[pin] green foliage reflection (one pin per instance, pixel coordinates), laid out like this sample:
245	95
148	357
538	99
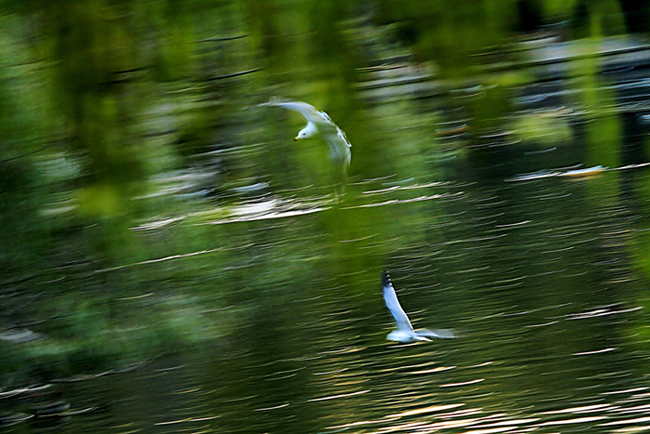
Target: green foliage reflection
131	131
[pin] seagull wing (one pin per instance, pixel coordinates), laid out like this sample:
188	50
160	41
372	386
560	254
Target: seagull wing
340	145
307	110
390	296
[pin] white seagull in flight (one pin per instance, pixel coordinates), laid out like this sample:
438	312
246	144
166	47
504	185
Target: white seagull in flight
405	332
318	122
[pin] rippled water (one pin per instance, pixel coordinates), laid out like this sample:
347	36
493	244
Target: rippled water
534	276
509	205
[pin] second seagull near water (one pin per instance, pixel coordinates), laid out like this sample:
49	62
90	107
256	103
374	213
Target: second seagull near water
405	332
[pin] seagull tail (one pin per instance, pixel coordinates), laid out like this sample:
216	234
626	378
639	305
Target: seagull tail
385	278
438	333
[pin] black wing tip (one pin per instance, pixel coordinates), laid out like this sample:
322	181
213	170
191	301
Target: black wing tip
385	278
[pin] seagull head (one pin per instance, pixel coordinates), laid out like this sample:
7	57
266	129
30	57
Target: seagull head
306	132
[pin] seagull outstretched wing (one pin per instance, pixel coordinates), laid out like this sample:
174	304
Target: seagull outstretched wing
390	297
307	110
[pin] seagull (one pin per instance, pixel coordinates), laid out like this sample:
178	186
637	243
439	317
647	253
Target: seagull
318	122
405	332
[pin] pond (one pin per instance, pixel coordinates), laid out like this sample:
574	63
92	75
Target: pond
180	264
533	277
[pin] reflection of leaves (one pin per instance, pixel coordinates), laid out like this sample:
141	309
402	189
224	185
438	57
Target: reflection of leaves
543	129
604	136
97	336
558	9
448	32
100	200
486	109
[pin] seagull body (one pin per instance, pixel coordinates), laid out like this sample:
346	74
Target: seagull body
318	122
405	332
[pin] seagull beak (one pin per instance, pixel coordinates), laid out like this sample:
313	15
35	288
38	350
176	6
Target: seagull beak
295	139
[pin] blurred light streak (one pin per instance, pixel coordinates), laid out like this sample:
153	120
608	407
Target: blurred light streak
600	312
359	239
272	408
400	428
157	225
542	325
584	409
397	201
513	422
588	353
344	395
624	422
466	383
512	225
632	429
573	421
636	389
167	258
191	419
431	371
433	409
489	431
452	424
